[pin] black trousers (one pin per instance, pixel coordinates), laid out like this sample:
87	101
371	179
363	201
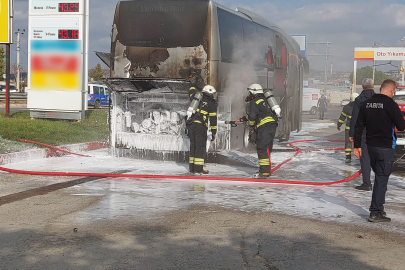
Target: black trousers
382	161
264	145
348	145
198	145
365	161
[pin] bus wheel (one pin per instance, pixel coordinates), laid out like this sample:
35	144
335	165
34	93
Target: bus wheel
246	140
246	137
97	104
313	110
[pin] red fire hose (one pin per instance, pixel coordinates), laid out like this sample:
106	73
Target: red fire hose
52	147
194	177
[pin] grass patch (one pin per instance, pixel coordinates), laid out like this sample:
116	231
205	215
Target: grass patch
55	131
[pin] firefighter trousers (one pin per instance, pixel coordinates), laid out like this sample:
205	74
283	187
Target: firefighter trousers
264	145
198	142
348	145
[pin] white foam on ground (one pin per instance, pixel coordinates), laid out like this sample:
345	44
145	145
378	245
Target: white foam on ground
128	198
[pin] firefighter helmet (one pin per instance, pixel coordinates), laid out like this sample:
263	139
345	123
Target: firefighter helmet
255	89
353	96
210	90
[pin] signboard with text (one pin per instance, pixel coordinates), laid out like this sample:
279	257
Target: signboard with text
379	53
6	26
57	58
302	42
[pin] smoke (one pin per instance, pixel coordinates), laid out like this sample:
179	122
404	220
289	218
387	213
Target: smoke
242	73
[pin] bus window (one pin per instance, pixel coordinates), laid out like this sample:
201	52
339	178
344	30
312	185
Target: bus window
283	56
231	34
88	89
250	35
281	60
270	56
266	45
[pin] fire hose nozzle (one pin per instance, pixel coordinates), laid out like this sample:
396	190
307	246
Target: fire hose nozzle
232	123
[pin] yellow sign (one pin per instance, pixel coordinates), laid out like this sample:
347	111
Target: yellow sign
363	55
4	21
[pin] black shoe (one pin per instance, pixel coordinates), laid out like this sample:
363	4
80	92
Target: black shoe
363	187
348	160
378	217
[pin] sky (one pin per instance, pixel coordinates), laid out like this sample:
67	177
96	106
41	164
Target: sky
346	24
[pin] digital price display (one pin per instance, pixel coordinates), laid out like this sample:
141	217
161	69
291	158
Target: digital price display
68	7
68	34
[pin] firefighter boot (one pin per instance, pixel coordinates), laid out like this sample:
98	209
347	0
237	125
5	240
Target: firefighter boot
348	159
261	175
202	172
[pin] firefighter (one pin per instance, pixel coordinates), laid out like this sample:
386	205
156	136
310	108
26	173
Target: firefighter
263	117
347	114
197	125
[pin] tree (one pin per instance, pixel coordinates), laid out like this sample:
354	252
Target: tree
97	73
367	72
2	63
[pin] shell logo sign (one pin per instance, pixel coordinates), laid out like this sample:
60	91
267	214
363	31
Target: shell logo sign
55	65
4	21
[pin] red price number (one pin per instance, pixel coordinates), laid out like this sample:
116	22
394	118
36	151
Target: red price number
68	7
68	34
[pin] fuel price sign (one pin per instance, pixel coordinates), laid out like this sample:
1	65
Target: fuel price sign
55	7
57	58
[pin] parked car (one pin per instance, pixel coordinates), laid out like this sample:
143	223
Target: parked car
3	87
98	95
310	100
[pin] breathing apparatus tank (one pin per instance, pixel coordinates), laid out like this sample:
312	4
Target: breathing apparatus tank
194	104
268	94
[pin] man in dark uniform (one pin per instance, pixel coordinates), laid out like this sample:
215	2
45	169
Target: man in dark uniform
322	105
379	115
347	114
198	126
368	92
264	120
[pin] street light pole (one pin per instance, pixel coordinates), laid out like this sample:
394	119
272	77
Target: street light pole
18	58
374	46
322	49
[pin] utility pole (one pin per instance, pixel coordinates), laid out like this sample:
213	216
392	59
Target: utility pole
402	66
18	58
321	49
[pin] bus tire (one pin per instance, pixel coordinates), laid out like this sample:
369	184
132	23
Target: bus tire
313	110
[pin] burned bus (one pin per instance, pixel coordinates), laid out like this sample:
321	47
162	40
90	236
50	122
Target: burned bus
158	48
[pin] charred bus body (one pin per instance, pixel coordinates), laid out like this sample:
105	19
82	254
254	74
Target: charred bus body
159	47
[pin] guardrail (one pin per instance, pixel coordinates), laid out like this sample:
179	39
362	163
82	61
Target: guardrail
13	96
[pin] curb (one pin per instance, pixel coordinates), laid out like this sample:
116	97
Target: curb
42	153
